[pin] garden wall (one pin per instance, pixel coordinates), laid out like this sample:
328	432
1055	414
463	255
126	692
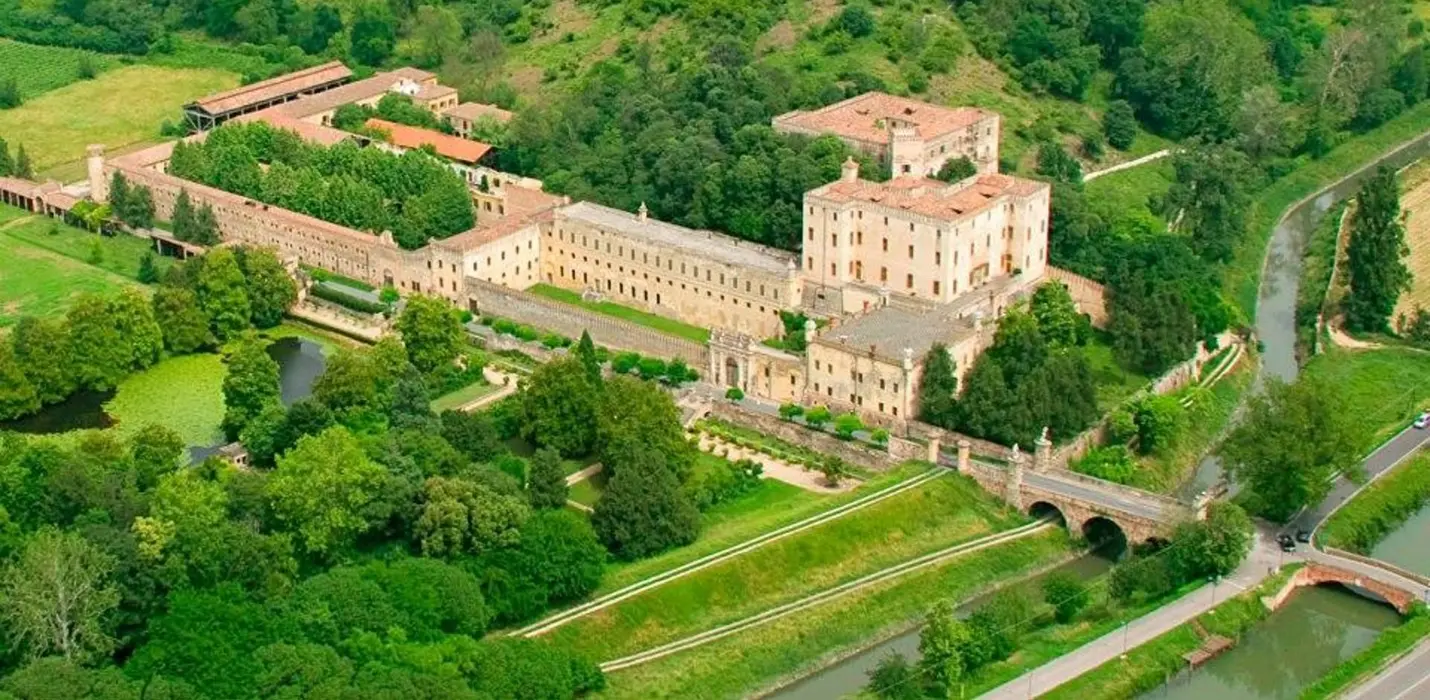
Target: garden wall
551	315
850	451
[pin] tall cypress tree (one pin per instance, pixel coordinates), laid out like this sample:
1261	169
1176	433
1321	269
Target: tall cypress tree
938	401
586	353
119	195
183	217
1375	255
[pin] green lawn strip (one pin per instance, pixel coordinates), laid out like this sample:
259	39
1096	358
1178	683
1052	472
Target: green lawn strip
323	275
1380	390
801	643
38	282
774	506
1164	471
1380	508
649	320
1389	646
933	516
1114	384
463	396
768	444
1147	666
119	254
183	393
1243	279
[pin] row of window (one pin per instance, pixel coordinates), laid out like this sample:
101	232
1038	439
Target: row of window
691	270
855	399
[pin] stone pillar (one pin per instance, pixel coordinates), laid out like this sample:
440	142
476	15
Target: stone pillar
1043	453
94	161
933	451
965	456
1013	490
808	331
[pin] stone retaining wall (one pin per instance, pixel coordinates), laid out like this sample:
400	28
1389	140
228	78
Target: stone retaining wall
551	315
851	451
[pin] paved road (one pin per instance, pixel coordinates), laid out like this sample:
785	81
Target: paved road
1150	507
1265	557
1388	455
1406	679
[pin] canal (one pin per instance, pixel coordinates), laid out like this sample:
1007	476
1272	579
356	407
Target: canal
1312	633
850	675
1406	546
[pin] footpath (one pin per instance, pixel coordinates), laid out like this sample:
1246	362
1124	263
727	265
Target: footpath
1265	558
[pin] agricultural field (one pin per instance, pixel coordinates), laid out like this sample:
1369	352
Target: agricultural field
1415	206
121	109
932	516
40	69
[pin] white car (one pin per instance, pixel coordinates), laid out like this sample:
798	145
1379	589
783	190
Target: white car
1422	421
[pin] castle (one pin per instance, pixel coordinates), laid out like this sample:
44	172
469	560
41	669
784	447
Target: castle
889	268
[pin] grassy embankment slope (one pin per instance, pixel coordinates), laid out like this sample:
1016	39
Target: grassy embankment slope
933	516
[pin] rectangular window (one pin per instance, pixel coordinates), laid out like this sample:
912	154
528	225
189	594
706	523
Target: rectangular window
911	252
935	287
811	233
886	245
883	274
834	239
937	258
909	281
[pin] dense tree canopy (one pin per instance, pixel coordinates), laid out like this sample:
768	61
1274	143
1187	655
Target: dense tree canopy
1375	257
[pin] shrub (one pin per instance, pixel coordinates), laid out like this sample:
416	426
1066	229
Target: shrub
504	326
625	362
790	411
734	393
817	417
725	482
846	425
526	333
1066	594
834	470
651	367
880	436
552	340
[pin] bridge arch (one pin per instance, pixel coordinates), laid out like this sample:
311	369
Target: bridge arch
1103	532
1044	509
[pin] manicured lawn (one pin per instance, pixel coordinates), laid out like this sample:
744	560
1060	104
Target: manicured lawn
930	517
39	69
660	323
588	491
119	254
38	282
1379	389
463	396
182	393
121	107
775	505
744	663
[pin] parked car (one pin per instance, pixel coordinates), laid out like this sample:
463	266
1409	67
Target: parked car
1303	536
1423	420
1287	542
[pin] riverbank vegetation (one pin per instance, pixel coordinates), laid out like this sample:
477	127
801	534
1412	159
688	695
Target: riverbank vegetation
1379	508
1149	665
1388	646
1020	628
1315	292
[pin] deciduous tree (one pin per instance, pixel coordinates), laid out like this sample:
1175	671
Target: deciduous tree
17	395
223	294
431	331
324	490
182	320
100	355
560	407
42	349
271	291
57	596
250	384
547	485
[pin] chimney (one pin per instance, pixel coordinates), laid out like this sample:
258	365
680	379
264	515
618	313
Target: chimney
849	172
643	213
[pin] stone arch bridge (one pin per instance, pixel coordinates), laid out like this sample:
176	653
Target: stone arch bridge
1081	501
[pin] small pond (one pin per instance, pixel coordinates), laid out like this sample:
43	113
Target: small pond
300	362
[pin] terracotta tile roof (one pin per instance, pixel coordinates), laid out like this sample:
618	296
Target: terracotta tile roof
933	198
481	235
61	200
867	117
273	88
20	186
432	92
524	201
447	146
356	91
314	133
472	111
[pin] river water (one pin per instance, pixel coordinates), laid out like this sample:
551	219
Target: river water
1407	547
1291	649
850	675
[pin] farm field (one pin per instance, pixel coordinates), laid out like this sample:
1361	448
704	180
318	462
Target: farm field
121	108
39	69
1415	206
39	281
932	516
